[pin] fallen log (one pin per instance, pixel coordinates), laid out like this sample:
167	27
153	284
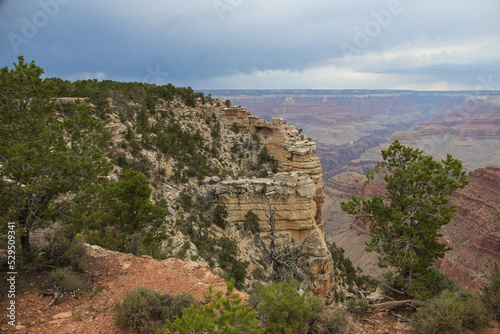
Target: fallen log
396	304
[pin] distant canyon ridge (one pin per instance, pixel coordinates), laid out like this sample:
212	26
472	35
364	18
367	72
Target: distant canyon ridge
350	127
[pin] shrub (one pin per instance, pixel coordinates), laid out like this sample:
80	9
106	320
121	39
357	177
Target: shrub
179	303
140	311
336	321
491	292
251	222
65	280
285	309
220	215
451	313
357	307
263	174
61	252
423	287
221	315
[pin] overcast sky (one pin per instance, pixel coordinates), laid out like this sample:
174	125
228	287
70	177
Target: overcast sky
260	44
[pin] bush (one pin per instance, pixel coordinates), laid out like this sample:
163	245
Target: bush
357	307
251	222
61	252
74	255
423	286
222	315
335	321
220	215
141	311
451	313
179	303
491	292
65	280
430	284
286	310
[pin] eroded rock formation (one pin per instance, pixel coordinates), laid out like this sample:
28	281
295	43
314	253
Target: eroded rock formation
295	193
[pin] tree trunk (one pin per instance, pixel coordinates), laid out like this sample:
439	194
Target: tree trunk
396	304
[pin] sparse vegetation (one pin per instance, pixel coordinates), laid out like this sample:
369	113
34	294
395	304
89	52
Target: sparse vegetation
284	309
451	312
357	306
143	310
65	281
223	314
335	321
491	292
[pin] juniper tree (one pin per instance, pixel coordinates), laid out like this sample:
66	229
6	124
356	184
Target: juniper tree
405	221
45	163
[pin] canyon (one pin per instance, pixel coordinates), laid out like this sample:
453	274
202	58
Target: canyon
350	129
348	126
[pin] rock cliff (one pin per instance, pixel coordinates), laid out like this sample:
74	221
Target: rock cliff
474	232
345	124
295	193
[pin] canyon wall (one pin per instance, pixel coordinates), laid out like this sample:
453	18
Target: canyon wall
295	194
345	124
470	134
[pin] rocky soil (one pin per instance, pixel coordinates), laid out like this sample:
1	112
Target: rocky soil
109	276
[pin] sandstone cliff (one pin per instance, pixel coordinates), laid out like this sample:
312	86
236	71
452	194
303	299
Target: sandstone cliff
296	193
345	124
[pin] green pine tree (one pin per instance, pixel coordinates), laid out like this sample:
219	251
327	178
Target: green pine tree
45	163
224	314
405	222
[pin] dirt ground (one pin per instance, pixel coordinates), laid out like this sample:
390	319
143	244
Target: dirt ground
109	276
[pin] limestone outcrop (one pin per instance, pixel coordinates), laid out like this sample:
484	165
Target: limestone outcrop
295	193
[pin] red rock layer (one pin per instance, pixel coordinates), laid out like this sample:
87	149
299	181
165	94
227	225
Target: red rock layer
473	233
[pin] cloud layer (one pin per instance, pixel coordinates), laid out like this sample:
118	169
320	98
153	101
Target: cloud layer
242	44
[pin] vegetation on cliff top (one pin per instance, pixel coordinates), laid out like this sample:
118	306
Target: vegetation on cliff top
61	163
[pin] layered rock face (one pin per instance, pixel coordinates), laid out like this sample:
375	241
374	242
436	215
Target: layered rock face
283	142
295	194
470	134
473	233
345	124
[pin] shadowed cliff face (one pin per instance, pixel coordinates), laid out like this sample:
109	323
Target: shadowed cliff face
473	233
